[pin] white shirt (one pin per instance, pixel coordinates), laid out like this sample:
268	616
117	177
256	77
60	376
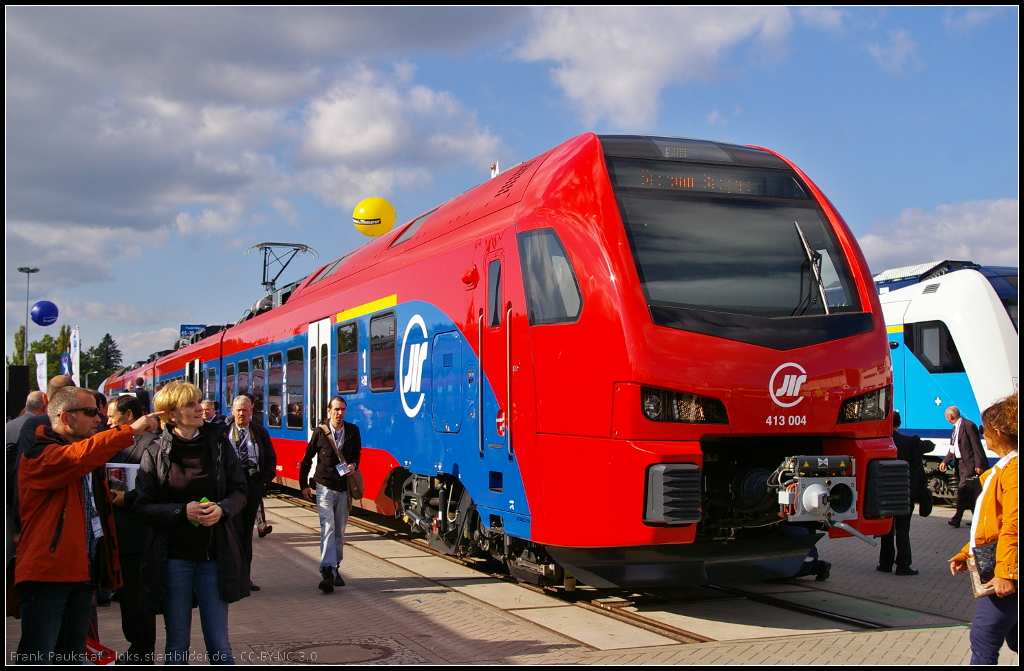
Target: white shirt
954	442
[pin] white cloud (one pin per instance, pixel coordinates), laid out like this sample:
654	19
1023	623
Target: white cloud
371	120
900	55
344	187
72	254
115	313
206	223
983	231
138	346
615	61
716	118
824	18
970	18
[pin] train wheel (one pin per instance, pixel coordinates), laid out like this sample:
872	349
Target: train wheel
939	484
441	509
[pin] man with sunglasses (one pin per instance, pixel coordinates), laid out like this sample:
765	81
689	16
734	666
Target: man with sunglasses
67	548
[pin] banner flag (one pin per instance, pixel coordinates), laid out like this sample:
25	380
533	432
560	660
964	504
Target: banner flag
41	371
76	351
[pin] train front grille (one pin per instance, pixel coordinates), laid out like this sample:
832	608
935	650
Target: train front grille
673	494
887	489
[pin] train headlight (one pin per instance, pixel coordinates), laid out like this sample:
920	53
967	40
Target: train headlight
652	406
662	405
868	407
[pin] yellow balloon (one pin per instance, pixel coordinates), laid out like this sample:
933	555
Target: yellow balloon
373	217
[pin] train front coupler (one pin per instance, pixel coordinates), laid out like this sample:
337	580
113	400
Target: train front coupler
818	489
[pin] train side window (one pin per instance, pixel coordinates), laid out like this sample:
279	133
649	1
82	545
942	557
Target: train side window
324	384
314	402
382	352
229	383
933	345
210	392
258	382
242	381
552	291
275	391
296	387
348	358
411	229
494	293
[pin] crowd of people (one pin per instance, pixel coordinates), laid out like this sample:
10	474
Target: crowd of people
183	534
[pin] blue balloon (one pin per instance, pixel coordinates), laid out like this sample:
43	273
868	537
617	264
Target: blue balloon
44	313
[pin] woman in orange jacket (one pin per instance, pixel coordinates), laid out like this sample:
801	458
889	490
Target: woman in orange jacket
995	520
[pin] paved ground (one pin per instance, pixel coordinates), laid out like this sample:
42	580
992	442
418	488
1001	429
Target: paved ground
401	606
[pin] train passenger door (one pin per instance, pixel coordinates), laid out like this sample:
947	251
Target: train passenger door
318	348
194	373
493	335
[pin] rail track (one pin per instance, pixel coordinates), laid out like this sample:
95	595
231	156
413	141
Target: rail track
619	604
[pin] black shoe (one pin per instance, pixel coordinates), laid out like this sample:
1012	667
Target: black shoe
954	523
338	581
884	569
327	584
824	571
253	587
265	530
907	571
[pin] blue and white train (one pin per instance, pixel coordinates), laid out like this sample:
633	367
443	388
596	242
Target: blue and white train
953	338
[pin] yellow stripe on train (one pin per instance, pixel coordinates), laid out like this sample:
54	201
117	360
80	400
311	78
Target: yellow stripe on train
367	308
894	329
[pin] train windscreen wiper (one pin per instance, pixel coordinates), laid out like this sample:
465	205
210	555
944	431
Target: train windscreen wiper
814	259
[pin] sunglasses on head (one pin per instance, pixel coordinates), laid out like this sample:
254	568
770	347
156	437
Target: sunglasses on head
89	412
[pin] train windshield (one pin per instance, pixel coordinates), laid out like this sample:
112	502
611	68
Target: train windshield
735	240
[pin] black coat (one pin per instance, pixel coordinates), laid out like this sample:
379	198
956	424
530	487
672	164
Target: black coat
321	446
268	457
131	535
160	515
912	449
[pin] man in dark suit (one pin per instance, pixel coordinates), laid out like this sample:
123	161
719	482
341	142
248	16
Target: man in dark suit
142	394
259	462
337	448
965	447
211	413
895	546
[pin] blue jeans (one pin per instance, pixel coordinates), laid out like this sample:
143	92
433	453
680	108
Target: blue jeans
333	509
54	622
994	622
185	578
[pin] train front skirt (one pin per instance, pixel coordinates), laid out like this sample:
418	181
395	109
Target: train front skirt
682	565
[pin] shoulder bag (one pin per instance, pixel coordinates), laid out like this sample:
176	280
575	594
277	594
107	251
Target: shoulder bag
353	479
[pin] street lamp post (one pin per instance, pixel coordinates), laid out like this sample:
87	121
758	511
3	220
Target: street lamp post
28	274
87	374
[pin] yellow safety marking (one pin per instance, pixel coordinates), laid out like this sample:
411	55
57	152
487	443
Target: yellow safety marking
367	308
894	329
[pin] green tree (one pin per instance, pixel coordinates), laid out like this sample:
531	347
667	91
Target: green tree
101	361
18	358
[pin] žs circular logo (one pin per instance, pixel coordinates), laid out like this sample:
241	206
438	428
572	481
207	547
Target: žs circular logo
411	377
787	393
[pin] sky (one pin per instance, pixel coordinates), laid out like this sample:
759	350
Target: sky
148	148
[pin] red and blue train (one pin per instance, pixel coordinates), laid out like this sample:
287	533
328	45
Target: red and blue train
630	359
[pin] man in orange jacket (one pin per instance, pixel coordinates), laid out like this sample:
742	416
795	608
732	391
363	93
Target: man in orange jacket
67	546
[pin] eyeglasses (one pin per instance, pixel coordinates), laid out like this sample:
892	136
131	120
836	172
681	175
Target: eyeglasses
89	412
